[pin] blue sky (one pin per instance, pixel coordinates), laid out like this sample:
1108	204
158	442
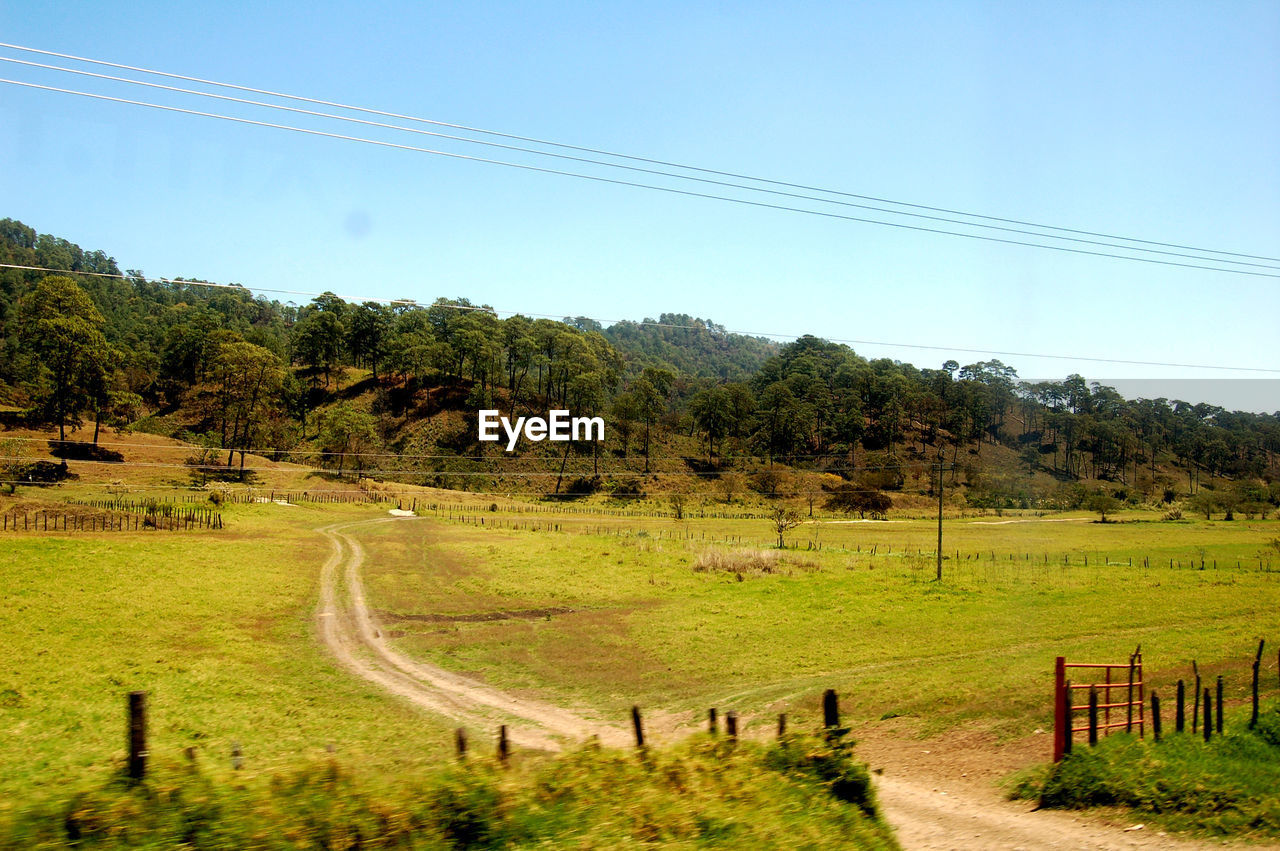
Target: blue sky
1158	121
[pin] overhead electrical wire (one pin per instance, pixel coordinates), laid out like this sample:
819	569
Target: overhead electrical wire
634	184
776	335
649	171
617	155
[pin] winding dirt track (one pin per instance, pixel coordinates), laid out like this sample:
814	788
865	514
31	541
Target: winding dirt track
349	631
928	811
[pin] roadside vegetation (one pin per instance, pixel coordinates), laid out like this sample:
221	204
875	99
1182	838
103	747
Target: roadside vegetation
1229	786
706	793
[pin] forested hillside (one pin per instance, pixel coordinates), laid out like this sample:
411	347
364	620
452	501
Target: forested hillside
231	371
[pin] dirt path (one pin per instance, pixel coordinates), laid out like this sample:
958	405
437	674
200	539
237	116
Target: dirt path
349	630
942	793
937	794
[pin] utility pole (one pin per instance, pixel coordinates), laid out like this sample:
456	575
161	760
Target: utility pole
940	467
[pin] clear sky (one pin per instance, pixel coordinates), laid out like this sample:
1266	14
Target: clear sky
1152	120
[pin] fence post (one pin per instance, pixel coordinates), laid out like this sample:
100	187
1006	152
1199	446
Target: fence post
137	735
1155	715
731	725
830	709
1208	711
460	740
639	727
1128	710
1069	715
1093	716
711	721
1218	711
504	748
1195	697
1257	661
1061	709
1180	713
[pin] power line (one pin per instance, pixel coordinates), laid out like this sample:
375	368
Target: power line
632	158
636	185
774	335
650	171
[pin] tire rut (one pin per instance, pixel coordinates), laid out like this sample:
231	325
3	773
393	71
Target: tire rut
349	630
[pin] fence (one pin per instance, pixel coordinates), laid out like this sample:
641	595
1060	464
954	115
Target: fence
120	519
1206	703
138	753
1066	708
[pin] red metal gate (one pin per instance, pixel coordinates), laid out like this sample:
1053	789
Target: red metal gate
1126	678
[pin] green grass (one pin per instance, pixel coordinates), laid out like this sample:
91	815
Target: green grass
217	628
1228	786
601	621
705	794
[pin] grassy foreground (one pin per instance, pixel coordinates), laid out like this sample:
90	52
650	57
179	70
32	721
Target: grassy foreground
801	792
218	628
1229	786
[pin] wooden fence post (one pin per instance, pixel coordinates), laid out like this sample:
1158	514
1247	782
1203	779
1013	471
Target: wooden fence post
1218	713
460	740
1155	715
1195	697
711	721
1061	709
830	709
1069	720
639	727
504	748
1208	712
782	724
1257	661
731	725
1128	718
137	735
1180	712
1093	716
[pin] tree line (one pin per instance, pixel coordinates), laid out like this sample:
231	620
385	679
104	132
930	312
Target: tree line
249	373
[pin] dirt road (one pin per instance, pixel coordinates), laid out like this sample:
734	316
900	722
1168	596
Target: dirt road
348	629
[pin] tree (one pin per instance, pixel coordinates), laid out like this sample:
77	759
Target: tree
247	384
345	430
1204	502
848	498
318	341
1103	503
784	518
712	411
624	411
368	327
59	322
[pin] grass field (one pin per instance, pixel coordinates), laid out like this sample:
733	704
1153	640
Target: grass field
597	611
217	627
618	613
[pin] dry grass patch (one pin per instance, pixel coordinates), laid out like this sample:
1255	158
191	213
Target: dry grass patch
751	562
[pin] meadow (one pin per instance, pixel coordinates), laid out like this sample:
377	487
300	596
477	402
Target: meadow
610	611
217	627
594	607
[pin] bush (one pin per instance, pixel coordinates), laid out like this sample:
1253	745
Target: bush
1230	785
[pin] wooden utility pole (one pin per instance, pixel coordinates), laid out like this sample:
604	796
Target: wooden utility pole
941	466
